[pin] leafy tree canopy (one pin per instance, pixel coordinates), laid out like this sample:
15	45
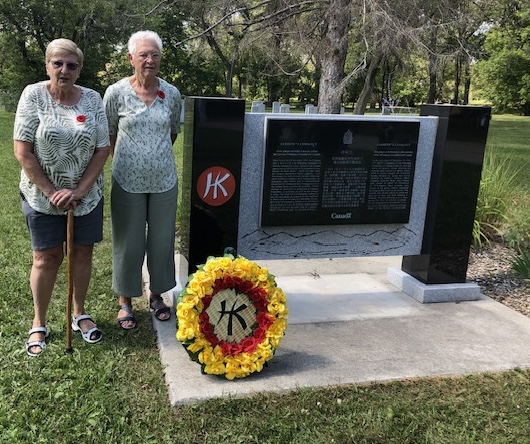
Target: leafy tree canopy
27	26
505	74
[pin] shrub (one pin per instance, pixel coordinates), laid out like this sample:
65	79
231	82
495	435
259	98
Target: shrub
521	263
495	196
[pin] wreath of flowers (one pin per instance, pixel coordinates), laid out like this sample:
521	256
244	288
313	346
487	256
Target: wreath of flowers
231	316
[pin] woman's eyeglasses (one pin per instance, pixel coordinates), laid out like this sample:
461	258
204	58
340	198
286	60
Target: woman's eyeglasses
143	56
70	65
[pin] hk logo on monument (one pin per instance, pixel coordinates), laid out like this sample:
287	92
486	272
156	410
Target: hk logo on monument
216	186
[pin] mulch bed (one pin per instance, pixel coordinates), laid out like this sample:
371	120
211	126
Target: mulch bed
491	269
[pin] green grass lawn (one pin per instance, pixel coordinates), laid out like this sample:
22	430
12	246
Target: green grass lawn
114	392
509	135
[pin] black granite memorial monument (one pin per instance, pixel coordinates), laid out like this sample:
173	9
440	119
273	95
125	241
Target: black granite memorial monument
453	193
333	172
213	143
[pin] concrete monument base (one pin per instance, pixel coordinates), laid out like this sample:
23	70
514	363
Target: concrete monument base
427	293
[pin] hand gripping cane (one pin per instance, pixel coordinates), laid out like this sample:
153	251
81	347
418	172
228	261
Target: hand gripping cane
70	277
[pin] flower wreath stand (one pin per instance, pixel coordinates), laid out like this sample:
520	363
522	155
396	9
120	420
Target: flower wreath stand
231	316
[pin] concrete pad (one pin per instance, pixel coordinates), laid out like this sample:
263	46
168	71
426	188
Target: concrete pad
355	327
331	298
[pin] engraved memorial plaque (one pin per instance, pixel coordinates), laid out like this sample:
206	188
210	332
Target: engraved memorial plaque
320	172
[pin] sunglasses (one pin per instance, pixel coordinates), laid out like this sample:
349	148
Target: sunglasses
59	64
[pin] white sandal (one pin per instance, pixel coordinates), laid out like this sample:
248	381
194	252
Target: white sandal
41	344
88	335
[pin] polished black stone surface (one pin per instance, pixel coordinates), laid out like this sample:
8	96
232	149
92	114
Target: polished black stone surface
338	172
211	177
453	193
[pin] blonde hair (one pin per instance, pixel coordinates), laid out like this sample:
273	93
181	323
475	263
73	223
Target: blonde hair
64	46
143	35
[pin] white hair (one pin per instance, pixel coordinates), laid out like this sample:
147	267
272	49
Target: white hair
143	35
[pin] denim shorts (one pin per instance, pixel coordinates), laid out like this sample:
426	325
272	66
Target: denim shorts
49	231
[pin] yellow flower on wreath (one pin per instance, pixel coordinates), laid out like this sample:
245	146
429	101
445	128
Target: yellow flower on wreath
243	353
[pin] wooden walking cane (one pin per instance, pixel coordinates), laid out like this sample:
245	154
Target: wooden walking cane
70	277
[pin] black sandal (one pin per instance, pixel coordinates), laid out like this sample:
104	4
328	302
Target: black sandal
128	317
159	307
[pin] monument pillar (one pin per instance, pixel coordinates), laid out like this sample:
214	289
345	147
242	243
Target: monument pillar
211	177
453	193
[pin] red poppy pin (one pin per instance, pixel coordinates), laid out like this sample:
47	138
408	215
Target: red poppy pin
161	94
81	118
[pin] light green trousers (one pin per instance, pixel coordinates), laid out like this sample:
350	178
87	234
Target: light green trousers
143	224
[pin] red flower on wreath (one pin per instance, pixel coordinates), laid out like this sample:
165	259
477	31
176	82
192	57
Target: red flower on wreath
81	118
161	94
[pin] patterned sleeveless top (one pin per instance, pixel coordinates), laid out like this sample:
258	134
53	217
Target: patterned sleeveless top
64	140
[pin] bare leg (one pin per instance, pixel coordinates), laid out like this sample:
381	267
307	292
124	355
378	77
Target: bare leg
82	271
42	279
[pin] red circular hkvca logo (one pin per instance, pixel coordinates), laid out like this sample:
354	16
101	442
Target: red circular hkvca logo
216	186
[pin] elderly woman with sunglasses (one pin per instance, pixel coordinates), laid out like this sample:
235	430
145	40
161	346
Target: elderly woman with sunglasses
144	118
61	141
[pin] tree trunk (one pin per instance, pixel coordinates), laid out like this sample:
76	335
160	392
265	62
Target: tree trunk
274	84
467	83
433	68
368	86
230	65
229	80
240	87
333	59
456	89
433	87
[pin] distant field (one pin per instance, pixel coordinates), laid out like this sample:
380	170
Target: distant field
509	135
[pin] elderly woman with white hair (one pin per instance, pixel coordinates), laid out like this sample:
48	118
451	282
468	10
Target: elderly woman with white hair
143	111
61	141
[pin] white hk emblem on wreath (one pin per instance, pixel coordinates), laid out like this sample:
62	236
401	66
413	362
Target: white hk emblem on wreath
232	315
